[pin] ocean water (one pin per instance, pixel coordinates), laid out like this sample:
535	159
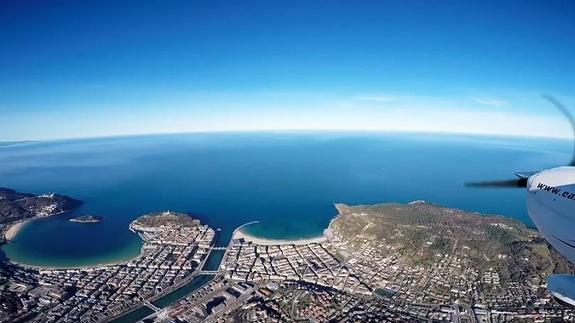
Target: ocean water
287	181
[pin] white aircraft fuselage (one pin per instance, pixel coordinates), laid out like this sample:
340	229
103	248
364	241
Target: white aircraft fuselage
551	206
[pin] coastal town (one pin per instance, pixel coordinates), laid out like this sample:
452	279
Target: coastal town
175	161
389	262
175	247
354	276
310	263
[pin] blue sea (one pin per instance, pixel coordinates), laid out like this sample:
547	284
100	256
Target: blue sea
288	181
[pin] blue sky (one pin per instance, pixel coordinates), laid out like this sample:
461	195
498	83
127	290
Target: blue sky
83	68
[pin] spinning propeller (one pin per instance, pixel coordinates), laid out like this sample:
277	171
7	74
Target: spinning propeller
522	178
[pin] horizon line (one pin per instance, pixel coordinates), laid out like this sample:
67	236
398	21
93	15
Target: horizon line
221	131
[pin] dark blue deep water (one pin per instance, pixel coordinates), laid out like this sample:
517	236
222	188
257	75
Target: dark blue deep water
288	181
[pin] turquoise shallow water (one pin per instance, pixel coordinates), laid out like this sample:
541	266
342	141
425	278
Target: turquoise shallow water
287	181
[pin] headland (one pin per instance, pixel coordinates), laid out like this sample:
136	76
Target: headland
17	209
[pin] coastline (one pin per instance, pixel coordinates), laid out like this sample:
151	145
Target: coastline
42	268
99	265
14	229
241	234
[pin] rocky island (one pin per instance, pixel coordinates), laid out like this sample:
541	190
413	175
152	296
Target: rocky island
87	219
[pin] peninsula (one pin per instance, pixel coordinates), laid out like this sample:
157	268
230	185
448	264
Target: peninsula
18	208
392	262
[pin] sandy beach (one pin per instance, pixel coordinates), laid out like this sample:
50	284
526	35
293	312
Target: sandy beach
101	265
48	268
261	241
14	229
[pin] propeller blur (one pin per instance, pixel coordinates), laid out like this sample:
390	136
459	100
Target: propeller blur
551	206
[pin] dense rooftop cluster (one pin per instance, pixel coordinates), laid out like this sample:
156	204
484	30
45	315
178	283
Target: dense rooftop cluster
398	263
310	263
382	263
170	256
213	301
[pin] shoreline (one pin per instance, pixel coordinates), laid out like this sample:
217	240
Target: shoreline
83	267
72	267
100	265
68	267
237	234
16	226
241	234
14	229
